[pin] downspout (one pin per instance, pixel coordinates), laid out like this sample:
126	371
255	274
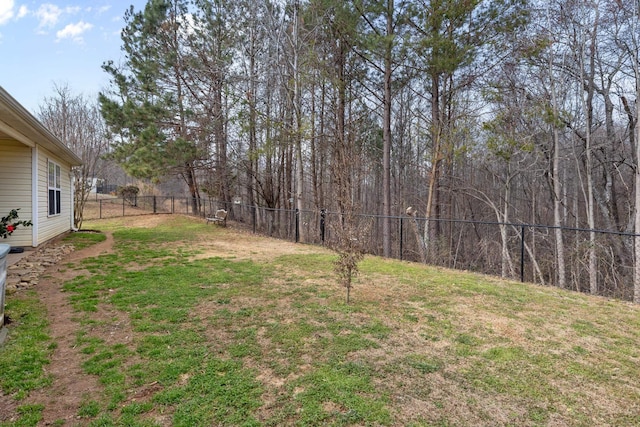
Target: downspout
72	190
34	196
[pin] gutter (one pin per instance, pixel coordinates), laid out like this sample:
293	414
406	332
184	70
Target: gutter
27	118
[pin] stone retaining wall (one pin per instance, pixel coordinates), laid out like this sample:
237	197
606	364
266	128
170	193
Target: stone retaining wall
27	271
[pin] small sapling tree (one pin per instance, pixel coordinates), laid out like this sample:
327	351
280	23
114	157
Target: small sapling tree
349	230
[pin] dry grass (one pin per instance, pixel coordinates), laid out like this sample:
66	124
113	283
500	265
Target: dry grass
455	348
418	345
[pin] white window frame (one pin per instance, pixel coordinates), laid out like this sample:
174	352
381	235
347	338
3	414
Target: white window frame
54	190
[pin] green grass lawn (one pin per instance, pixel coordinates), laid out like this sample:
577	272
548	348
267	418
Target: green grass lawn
192	325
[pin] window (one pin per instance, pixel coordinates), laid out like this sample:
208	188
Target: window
54	189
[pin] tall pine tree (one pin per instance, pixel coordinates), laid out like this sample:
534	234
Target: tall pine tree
147	108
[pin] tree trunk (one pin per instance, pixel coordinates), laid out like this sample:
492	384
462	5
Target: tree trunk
431	225
636	69
386	136
636	266
636	269
557	211
588	106
221	144
252	161
340	154
506	270
297	120
506	264
556	184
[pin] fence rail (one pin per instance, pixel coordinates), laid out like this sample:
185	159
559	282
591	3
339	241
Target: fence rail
530	253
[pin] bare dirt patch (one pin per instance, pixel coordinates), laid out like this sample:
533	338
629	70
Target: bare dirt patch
242	245
71	386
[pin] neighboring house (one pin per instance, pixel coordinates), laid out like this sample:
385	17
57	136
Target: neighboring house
35	176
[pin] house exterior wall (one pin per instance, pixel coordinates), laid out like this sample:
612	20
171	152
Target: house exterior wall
26	145
16	188
16	191
50	226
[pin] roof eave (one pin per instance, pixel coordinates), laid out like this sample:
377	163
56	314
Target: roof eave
44	135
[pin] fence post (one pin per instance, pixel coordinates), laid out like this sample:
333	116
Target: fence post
173	200
522	253
401	222
253	217
323	214
122	205
100	209
297	225
154	204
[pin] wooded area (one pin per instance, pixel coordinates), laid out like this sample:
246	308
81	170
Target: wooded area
509	111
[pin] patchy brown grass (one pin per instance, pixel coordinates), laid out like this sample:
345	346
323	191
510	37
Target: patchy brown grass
436	347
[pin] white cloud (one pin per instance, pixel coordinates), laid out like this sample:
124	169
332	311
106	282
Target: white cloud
72	10
74	31
6	11
23	11
48	14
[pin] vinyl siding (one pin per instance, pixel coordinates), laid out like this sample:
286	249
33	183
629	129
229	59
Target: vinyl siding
51	226
15	188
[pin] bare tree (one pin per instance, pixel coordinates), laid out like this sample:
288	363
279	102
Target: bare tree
350	230
450	37
555	176
77	122
636	68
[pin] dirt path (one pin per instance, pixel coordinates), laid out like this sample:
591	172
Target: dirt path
71	387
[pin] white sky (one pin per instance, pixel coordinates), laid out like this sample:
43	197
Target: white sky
42	43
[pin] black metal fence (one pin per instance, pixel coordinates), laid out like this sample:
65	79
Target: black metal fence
143	205
529	254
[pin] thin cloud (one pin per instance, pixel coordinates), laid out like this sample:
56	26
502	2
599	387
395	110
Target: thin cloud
72	10
48	14
6	11
74	31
